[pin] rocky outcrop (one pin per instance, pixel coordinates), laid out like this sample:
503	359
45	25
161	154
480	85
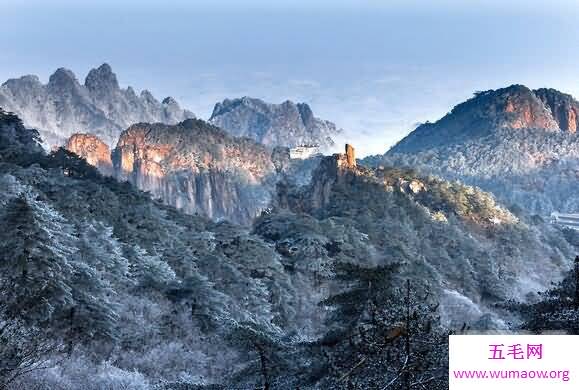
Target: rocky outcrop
411	186
563	107
341	162
101	107
201	169
350	156
286	124
336	170
93	150
198	168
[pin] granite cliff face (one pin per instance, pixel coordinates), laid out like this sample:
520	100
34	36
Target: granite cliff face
100	107
193	166
518	143
93	150
563	107
286	124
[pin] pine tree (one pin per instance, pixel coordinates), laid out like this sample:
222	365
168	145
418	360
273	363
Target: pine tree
23	349
35	247
368	286
556	311
197	294
72	165
149	271
17	143
267	358
99	269
384	334
94	314
98	247
100	272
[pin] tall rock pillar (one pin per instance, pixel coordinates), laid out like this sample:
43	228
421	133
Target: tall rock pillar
350	156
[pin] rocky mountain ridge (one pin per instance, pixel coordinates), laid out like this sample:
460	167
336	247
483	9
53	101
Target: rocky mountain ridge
513	107
100	106
518	143
287	124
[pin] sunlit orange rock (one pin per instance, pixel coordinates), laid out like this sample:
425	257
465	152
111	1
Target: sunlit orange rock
93	150
198	168
350	155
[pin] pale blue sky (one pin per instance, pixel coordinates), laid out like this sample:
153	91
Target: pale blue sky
376	68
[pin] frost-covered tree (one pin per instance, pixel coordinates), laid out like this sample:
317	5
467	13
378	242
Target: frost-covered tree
149	270
98	247
36	245
206	305
17	143
71	165
35	270
23	349
384	335
267	355
557	310
94	314
100	271
368	288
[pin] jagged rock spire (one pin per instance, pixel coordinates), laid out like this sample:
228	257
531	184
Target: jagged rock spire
102	78
100	107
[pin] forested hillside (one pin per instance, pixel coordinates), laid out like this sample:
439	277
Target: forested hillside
103	287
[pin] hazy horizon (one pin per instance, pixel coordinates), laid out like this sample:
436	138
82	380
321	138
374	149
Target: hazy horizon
374	69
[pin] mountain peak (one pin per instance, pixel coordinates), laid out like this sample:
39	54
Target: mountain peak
543	108
64	106
101	78
28	79
62	77
147	96
286	124
513	107
306	114
169	101
519	143
205	160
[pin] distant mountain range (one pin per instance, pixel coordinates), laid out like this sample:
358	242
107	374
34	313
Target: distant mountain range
518	143
99	106
64	106
286	124
224	169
